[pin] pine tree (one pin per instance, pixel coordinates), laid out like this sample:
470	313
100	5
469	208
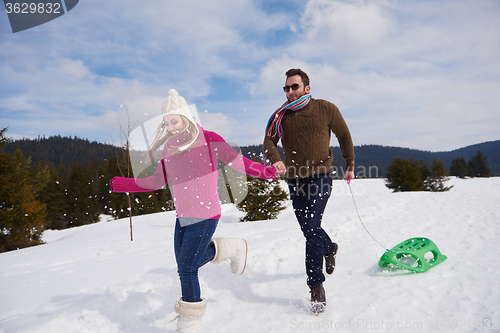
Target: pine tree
437	178
94	204
409	175
22	216
77	195
459	168
405	175
53	196
264	201
479	165
425	174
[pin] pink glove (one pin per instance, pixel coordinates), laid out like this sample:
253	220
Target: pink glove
270	172
122	184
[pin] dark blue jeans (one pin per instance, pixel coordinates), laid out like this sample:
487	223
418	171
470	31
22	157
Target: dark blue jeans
191	252
309	198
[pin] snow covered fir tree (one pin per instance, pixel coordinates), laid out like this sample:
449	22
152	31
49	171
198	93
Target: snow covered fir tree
410	175
438	176
264	201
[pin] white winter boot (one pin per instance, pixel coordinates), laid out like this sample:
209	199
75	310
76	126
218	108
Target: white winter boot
233	249
190	314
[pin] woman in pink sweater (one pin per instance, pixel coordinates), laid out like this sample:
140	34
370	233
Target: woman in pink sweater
189	161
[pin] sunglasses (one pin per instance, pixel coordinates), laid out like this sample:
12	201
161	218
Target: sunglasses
294	86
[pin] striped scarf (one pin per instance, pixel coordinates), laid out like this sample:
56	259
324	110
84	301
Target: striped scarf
274	124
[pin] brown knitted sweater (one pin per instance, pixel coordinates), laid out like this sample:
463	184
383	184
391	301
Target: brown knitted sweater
306	142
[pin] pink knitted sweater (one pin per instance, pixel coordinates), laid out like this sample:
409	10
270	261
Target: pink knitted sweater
193	174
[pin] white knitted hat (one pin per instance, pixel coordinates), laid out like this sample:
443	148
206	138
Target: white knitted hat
176	104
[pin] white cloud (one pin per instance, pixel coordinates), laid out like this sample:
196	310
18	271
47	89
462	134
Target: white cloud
325	79
272	76
74	67
423	73
219	123
353	24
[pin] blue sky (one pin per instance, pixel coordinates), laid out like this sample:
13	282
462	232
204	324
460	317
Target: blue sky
418	74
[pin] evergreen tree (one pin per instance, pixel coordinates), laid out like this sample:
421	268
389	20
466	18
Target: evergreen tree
459	168
53	196
410	175
425	174
479	165
437	178
264	201
76	195
22	216
94	204
80	196
405	175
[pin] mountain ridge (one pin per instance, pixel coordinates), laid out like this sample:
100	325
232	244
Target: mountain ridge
372	160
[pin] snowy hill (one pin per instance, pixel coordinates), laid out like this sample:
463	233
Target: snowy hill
93	279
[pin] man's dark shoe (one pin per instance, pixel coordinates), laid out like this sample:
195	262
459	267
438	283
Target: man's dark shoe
318	299
330	260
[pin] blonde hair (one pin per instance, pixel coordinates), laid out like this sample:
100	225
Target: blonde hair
163	137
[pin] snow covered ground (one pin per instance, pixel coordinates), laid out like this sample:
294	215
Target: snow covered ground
94	279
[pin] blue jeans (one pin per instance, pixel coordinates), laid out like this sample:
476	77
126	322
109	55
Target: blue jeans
309	198
192	250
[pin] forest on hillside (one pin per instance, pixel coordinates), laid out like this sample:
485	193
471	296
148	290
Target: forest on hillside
372	161
65	151
77	189
377	158
57	183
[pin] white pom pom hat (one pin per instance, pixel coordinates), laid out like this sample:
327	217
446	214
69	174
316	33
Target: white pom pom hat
176	104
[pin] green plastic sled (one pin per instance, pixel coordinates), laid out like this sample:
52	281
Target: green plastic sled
417	248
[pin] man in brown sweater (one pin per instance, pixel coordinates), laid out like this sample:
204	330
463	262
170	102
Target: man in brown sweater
304	125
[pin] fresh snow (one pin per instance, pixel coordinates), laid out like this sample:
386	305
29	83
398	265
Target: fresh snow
94	279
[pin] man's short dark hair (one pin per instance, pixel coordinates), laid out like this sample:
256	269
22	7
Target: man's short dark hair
298	71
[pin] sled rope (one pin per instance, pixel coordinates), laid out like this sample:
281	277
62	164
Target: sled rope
360	220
